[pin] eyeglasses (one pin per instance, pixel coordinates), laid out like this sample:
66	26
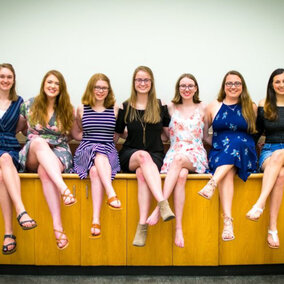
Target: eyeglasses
139	81
98	88
184	87
231	84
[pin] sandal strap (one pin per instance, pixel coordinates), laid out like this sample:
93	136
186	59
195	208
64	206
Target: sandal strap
96	226
274	235
21	215
110	200
10	237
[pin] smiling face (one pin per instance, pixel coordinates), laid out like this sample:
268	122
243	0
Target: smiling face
6	79
142	82
187	88
101	90
51	86
278	84
233	86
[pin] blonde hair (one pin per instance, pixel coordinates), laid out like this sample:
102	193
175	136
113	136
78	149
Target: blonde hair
88	96
63	107
177	98
13	94
152	111
244	100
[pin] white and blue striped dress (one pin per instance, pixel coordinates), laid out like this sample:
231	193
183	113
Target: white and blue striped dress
98	131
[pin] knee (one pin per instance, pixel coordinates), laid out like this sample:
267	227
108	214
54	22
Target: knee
178	160
6	160
139	175
182	176
277	157
93	173
144	157
280	179
38	142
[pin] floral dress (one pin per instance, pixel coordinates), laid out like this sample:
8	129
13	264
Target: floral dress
56	140
186	138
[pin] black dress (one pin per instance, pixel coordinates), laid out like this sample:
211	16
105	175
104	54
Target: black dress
134	142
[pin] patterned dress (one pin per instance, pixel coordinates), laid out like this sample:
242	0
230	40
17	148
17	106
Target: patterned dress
8	124
186	138
56	140
98	131
231	144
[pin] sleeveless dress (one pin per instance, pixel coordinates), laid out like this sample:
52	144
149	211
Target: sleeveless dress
231	144
57	141
134	141
8	124
98	131
186	138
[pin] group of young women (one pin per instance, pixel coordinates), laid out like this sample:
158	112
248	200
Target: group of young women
49	122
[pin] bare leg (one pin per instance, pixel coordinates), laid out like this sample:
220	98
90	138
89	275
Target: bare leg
97	198
226	192
179	197
104	171
275	203
12	184
272	167
150	172
179	162
53	200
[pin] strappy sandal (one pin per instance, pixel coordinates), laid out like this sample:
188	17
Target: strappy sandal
252	212
5	248
95	236
228	233
68	197
27	221
60	239
275	239
208	190
110	200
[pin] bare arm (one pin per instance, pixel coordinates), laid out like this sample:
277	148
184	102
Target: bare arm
22	125
77	131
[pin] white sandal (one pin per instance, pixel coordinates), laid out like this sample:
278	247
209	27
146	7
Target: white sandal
275	239
228	233
252	212
208	190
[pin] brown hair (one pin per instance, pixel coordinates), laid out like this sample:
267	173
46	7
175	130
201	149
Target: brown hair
244	100
13	94
63	107
152	111
88	96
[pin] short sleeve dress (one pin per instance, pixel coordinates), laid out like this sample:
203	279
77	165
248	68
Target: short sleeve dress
232	144
186	138
98	131
8	124
134	141
50	132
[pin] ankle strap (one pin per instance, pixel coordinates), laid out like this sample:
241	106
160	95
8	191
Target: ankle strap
10	236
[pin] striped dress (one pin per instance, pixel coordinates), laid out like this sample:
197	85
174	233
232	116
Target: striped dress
98	131
8	124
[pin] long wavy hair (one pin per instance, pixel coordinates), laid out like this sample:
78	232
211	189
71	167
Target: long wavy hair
89	97
270	105
13	94
244	100
178	98
62	107
152	111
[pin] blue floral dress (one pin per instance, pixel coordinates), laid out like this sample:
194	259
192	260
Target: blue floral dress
56	140
232	144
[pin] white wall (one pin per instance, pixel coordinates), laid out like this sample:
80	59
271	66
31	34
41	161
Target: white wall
79	38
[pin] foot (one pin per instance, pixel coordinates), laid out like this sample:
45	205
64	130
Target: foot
95	231
255	213
25	221
166	211
141	235
68	197
61	239
272	239
179	240
154	218
114	203
9	245
228	233
208	190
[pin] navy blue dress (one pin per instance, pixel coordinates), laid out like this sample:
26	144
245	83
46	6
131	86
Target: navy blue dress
8	124
232	144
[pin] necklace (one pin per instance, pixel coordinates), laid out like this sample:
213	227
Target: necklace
143	124
232	108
